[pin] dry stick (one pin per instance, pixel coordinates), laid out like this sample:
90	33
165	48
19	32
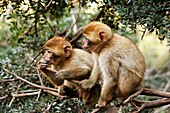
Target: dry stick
167	86
153	104
132	96
54	102
99	15
8	80
46	7
50	106
150	104
146	91
13	98
143	34
24	94
1	98
32	84
76	38
40	83
75	21
28	91
154	92
80	34
36	56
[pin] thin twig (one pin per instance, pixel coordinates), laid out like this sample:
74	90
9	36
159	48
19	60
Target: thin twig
8	80
148	104
98	16
30	83
154	104
13	98
36	18
132	96
40	83
55	94
24	94
154	92
49	24
77	37
46	7
75	20
143	34
1	98
36	56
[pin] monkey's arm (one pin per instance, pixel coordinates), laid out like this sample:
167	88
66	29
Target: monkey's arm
74	74
95	75
50	74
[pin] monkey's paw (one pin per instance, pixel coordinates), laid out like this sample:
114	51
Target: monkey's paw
99	106
42	66
87	84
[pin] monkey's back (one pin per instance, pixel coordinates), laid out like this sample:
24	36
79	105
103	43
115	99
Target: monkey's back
126	61
83	57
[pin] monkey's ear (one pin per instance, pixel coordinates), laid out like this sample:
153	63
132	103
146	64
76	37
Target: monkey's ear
67	51
102	36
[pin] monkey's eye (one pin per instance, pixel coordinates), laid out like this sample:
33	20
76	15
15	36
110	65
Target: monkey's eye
56	56
49	51
88	41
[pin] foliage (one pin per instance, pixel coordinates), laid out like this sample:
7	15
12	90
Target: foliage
26	24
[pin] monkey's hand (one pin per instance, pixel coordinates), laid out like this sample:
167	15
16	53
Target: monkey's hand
42	65
59	78
87	84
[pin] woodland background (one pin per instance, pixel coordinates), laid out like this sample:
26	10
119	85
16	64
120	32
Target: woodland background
25	25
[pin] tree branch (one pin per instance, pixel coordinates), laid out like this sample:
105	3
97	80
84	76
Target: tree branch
148	104
153	104
75	20
77	37
30	83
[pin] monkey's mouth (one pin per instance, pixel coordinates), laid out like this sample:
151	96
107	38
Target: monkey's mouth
87	48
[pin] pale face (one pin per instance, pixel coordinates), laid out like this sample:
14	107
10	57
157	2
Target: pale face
93	42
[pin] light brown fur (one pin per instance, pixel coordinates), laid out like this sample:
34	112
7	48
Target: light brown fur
118	64
61	64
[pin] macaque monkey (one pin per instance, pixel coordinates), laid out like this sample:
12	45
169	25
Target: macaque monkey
61	64
118	64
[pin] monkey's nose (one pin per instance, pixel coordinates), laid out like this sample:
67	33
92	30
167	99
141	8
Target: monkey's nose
39	62
42	61
85	47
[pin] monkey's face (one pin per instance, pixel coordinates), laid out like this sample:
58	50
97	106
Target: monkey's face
57	50
47	59
94	42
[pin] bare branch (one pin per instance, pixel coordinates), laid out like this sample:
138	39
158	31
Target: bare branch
132	96
153	104
154	92
24	94
13	98
75	20
1	98
36	56
77	37
30	83
143	34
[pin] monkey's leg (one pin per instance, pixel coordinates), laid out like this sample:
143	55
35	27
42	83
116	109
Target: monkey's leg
106	94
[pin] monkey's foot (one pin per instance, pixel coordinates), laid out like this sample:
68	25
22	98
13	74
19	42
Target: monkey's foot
67	91
105	109
99	106
87	84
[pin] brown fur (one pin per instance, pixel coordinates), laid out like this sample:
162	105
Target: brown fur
118	64
61	64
